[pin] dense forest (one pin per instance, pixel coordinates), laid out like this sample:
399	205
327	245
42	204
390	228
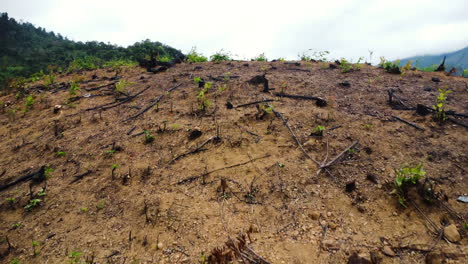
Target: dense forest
26	49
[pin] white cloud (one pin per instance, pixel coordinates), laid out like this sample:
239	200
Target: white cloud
347	28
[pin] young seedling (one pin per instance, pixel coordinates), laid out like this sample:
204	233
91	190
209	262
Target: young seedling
28	103
318	131
15	261
41	193
203	102
74	88
35	246
61	154
84	210
148	137
100	205
47	172
114	167
11	202
406	177
367	126
16	225
439	107
75	257
33	203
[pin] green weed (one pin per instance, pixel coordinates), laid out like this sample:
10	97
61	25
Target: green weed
439	107
35	246
194	56
148	137
74	88
121	85
32	204
221	56
260	57
75	257
405	177
61	154
28	102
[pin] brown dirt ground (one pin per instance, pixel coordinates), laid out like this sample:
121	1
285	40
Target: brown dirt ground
292	214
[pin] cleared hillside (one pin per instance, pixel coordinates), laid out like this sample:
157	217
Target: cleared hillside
142	174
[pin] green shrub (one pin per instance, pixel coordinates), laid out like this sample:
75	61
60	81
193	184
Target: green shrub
220	56
260	57
28	102
439	107
405	177
194	56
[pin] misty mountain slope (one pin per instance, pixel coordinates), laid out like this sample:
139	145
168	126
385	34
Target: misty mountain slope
457	59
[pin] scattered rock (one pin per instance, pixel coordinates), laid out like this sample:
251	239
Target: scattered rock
451	233
434	258
160	245
463	199
388	251
345	84
376	258
435	79
332	225
94	77
351	186
332	66
356	259
314	215
197	68
142	77
330	244
245	65
195	133
158	69
373	178
57	108
428	89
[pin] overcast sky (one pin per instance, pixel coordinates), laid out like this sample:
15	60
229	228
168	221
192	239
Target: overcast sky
347	28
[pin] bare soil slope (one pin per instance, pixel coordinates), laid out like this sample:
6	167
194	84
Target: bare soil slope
116	198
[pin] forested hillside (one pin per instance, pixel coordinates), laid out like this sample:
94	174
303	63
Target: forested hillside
457	59
26	49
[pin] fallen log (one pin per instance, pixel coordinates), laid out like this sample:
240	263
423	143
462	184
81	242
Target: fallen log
408	122
153	103
319	101
36	176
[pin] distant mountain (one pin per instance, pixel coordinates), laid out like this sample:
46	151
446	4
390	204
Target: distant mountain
457	59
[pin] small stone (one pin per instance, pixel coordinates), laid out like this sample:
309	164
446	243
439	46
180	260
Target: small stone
451	233
351	186
435	79
332	225
356	259
314	215
388	251
329	214
330	244
434	258
160	245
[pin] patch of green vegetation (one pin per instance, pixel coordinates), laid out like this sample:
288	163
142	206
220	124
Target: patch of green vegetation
197	80
221	56
465	73
28	102
148	137
439	107
35	246
367	126
41	193
10	200
260	57
74	88
61	153
84	210
121	85
347	66
203	102
405	177
390	67
49	79
101	205
75	257
47	172
33	203
194	56
15	261
316	55
16	225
